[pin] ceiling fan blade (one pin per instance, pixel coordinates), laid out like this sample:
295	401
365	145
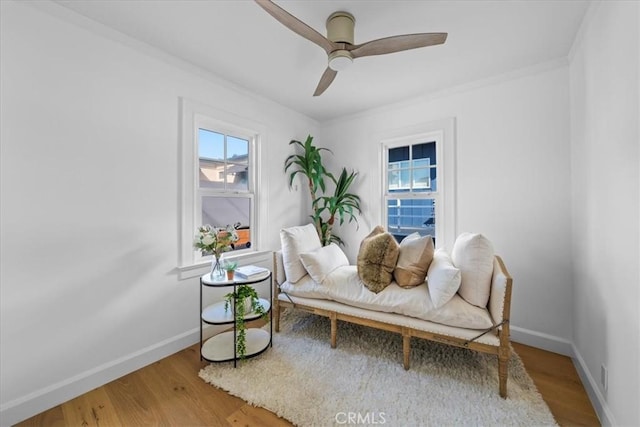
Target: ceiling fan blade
325	81
397	44
296	25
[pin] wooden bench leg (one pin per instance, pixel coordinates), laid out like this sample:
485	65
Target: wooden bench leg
334	329
503	373
276	316
406	349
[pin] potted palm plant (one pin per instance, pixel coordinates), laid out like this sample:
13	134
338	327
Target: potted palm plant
243	301
326	209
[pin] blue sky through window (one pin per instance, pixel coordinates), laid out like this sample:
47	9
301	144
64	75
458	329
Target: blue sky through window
211	145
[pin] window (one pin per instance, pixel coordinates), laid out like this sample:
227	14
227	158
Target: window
224	194
412	189
414	169
219	178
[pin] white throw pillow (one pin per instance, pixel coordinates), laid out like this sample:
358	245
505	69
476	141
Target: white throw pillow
294	241
323	261
473	255
443	278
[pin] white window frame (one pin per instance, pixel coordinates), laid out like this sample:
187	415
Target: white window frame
442	133
196	116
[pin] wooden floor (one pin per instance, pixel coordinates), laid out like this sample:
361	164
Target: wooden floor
169	392
558	383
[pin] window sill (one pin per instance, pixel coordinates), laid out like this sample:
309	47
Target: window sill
202	267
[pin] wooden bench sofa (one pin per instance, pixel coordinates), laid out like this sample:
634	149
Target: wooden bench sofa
493	340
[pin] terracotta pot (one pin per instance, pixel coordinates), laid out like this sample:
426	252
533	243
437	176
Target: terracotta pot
230	275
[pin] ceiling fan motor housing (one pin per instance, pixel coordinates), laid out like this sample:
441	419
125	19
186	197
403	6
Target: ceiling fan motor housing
340	27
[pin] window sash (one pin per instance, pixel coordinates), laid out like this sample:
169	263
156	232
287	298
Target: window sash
406	191
222	161
198	255
225	191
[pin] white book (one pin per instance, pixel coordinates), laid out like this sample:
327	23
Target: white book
250	271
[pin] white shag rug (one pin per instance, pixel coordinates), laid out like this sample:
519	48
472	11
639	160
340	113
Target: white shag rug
362	381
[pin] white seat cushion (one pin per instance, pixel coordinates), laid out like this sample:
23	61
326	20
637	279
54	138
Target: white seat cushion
343	285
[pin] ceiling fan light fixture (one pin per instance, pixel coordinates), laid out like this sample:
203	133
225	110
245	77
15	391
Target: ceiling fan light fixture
340	60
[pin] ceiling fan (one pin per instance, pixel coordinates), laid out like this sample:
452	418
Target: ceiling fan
339	41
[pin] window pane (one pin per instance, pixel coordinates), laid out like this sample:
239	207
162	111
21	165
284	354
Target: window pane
237	164
237	176
210	145
404	180
237	149
426	150
211	158
398	180
421	179
421	163
393	180
406	216
434	181
425	155
415	173
223	211
398	154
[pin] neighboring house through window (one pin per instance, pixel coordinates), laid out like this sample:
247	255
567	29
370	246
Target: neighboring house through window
412	194
219	161
418	187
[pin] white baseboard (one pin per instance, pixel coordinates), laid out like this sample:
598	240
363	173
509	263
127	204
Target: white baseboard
567	348
542	340
591	386
34	403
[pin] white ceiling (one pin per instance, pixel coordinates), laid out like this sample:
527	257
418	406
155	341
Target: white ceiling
238	41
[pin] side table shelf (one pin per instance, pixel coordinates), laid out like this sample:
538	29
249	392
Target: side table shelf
222	346
216	315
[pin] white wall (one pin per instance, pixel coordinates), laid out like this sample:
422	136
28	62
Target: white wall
512	173
90	203
604	159
89	197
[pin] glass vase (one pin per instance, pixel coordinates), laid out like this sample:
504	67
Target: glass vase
217	273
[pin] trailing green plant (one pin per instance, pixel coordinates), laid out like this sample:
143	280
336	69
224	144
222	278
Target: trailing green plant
241	293
326	209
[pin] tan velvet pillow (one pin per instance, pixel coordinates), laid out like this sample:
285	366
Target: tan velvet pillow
377	259
416	253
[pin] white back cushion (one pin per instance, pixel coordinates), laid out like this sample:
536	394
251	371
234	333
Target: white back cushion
294	241
323	261
443	278
473	255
